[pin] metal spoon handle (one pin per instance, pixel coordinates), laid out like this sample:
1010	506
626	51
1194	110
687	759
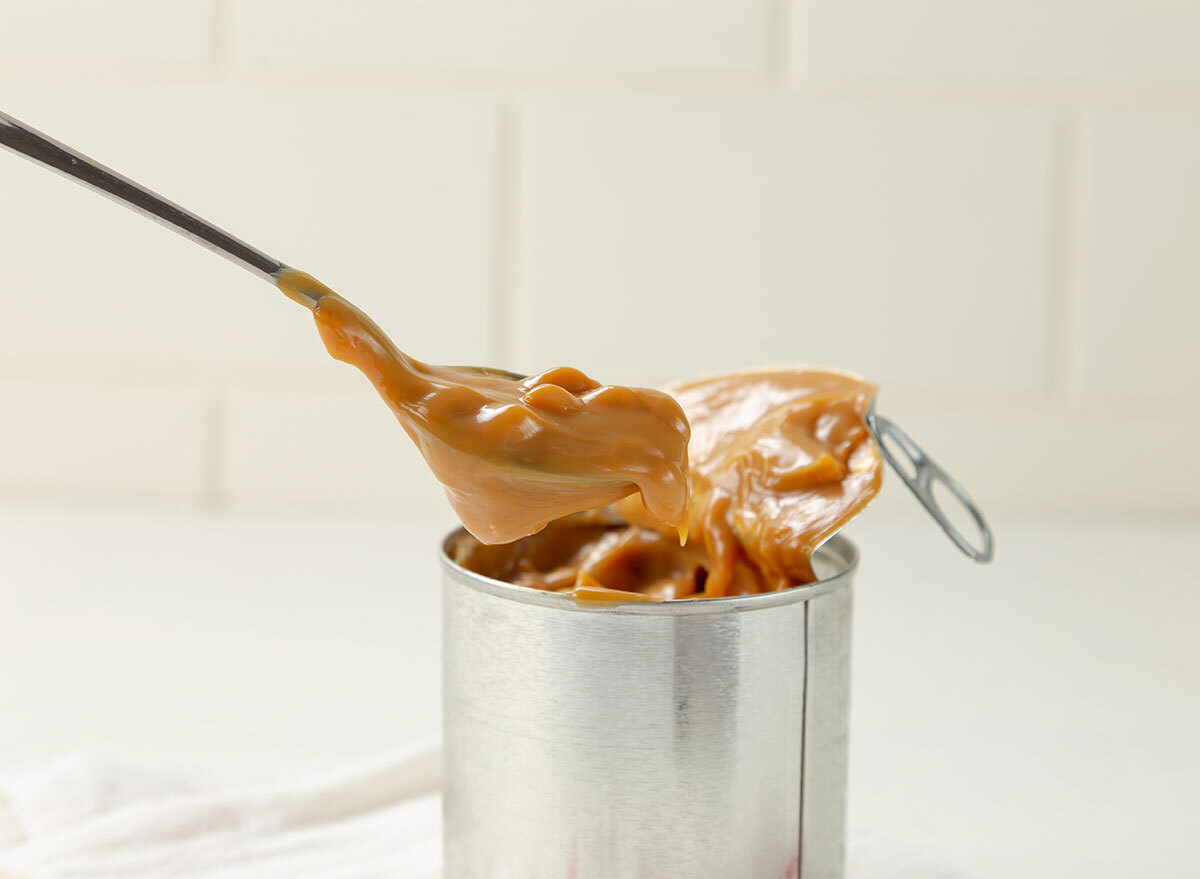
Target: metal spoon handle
32	144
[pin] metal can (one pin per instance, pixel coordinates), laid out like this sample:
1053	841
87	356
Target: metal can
694	739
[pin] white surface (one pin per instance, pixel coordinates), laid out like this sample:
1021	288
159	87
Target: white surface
1034	718
253	643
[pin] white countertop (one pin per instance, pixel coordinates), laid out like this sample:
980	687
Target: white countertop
1038	717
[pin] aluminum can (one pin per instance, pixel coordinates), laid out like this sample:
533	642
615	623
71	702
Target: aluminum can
694	739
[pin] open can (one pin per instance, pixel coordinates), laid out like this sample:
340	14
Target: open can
695	739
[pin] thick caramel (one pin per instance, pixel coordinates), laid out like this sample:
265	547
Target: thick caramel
514	454
781	459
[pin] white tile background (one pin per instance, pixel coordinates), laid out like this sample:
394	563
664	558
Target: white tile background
991	208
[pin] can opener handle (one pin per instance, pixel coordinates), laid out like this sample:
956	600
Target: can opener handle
925	472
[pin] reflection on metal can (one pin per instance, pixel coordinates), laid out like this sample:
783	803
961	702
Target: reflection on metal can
701	739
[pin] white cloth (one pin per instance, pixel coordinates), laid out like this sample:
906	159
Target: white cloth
81	818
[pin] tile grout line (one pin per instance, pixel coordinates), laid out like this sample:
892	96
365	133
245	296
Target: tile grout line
782	66
221	17
503	313
1064	365
778	15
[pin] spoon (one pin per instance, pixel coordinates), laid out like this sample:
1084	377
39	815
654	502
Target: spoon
45	150
508	481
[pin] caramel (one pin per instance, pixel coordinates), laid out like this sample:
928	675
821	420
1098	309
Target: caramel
515	454
780	460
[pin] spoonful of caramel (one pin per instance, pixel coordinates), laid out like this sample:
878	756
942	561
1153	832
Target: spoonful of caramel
518	452
513	452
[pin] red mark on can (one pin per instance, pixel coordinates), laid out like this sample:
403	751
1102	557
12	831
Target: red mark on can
793	868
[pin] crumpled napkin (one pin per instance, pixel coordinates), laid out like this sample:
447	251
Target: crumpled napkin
82	818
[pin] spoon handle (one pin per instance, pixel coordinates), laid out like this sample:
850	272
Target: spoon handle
29	142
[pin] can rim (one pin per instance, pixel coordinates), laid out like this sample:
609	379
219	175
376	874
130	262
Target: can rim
837	557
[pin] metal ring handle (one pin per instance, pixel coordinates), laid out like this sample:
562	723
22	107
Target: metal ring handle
926	472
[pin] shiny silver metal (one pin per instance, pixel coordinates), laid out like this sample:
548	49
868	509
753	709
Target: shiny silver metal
45	150
926	472
696	739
